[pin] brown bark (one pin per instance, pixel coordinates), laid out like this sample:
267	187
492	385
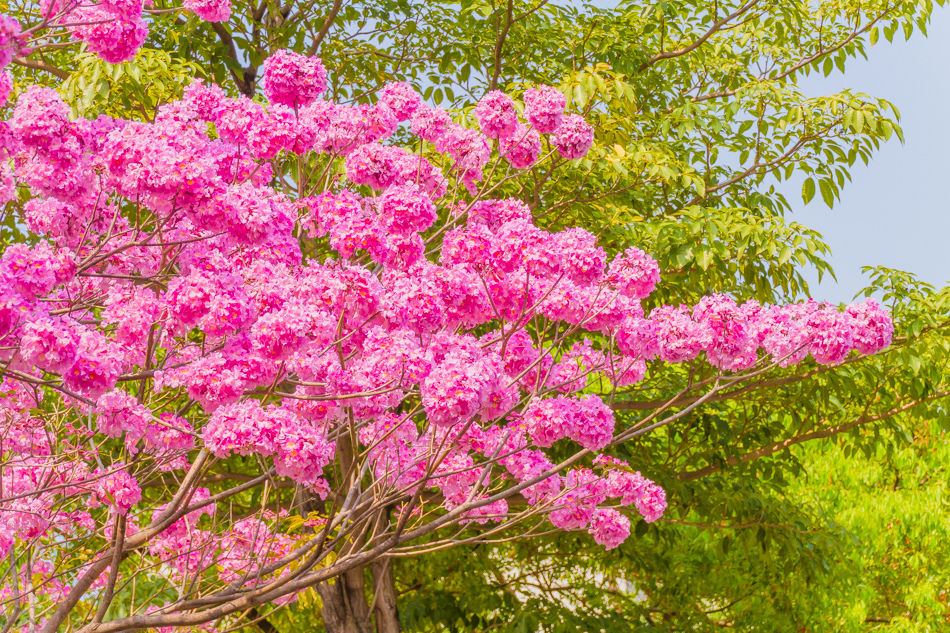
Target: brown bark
384	597
345	609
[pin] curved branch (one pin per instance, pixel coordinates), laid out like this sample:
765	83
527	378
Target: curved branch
38	64
702	40
801	439
331	18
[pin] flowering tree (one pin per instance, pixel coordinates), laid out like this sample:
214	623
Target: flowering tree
256	349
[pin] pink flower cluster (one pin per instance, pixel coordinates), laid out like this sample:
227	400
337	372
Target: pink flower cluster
292	79
117	489
544	111
732	335
114	29
209	10
115	32
301	450
12	40
587	421
179	297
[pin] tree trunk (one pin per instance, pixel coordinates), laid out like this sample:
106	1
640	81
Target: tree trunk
345	609
345	606
384	609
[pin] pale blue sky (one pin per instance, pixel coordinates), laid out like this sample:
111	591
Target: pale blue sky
895	212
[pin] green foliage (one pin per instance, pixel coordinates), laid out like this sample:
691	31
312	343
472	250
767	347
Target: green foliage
807	501
133	89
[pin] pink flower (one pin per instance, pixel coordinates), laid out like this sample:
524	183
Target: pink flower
456	390
12	40
292	79
171	440
96	368
496	115
634	273
401	99
210	10
872	327
609	528
496	511
831	339
407	208
302	453
8	190
374	165
430	124
133	314
245	428
417	170
544	108
351	127
573	137
627	371
582	260
583	491
118	413
119	490
593	426
651	503
782	331
115	39
204	99
415	301
468	148
213	381
550	419
522	148
680	338
215	302
732	344
639	337
494	213
235	117
6	87
467	246
626	486
124	9
50	344
32	271
40	119
279	334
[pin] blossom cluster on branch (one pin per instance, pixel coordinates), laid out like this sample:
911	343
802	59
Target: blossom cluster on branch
113	29
368	323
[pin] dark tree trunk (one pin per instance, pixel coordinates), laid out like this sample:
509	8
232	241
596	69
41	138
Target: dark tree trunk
345	609
384	609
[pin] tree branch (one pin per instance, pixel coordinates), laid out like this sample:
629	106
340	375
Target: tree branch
500	44
801	439
702	40
37	64
331	17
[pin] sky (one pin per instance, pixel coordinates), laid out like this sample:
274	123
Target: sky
895	211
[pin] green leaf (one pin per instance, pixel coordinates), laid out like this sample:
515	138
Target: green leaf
580	96
827	193
704	256
808	190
